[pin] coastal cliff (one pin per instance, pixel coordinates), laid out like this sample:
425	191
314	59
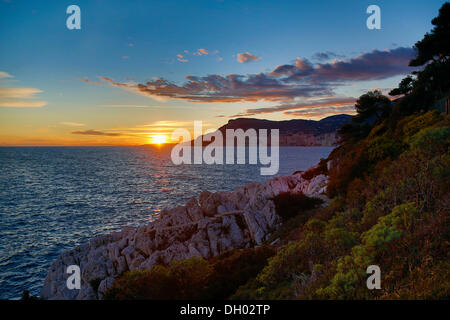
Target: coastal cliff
296	132
204	227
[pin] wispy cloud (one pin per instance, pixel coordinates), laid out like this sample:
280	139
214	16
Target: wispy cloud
246	57
321	112
181	58
18	93
73	124
22	104
201	52
129	106
12	97
97	133
170	124
85	79
5	75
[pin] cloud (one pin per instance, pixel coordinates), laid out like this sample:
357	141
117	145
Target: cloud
181	58
168	124
374	65
285	83
341	103
231	88
13	98
200	52
97	133
128	106
321	112
22	104
328	55
85	79
5	75
73	124
20	93
246	57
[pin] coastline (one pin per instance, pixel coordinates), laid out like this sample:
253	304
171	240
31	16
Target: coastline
203	227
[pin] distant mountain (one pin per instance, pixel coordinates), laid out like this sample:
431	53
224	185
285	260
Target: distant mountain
296	132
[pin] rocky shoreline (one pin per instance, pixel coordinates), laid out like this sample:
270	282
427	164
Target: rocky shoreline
204	227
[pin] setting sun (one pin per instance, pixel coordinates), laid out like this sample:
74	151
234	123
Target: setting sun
159	139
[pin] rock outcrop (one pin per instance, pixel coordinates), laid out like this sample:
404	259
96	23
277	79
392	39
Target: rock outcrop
204	227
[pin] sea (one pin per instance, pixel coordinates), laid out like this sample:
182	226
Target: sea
55	198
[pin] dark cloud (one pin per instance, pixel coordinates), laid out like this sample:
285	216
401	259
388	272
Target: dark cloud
374	65
328	55
231	88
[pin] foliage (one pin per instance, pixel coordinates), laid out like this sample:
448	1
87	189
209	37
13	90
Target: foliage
372	104
194	278
436	44
405	87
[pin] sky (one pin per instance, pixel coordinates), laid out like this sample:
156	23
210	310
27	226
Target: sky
137	70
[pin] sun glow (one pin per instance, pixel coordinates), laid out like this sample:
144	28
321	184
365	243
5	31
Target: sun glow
158	139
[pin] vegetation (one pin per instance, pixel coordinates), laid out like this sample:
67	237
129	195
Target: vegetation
372	104
194	278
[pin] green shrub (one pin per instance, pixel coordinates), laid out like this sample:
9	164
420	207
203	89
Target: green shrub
431	140
348	282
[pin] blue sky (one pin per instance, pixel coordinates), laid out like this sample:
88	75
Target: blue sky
132	42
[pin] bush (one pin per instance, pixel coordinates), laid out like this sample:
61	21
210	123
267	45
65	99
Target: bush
431	140
348	282
194	278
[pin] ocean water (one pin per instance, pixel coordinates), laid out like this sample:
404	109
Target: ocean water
54	198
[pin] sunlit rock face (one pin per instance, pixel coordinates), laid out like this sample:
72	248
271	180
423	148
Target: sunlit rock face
204	227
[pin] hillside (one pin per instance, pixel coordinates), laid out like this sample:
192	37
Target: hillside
390	205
